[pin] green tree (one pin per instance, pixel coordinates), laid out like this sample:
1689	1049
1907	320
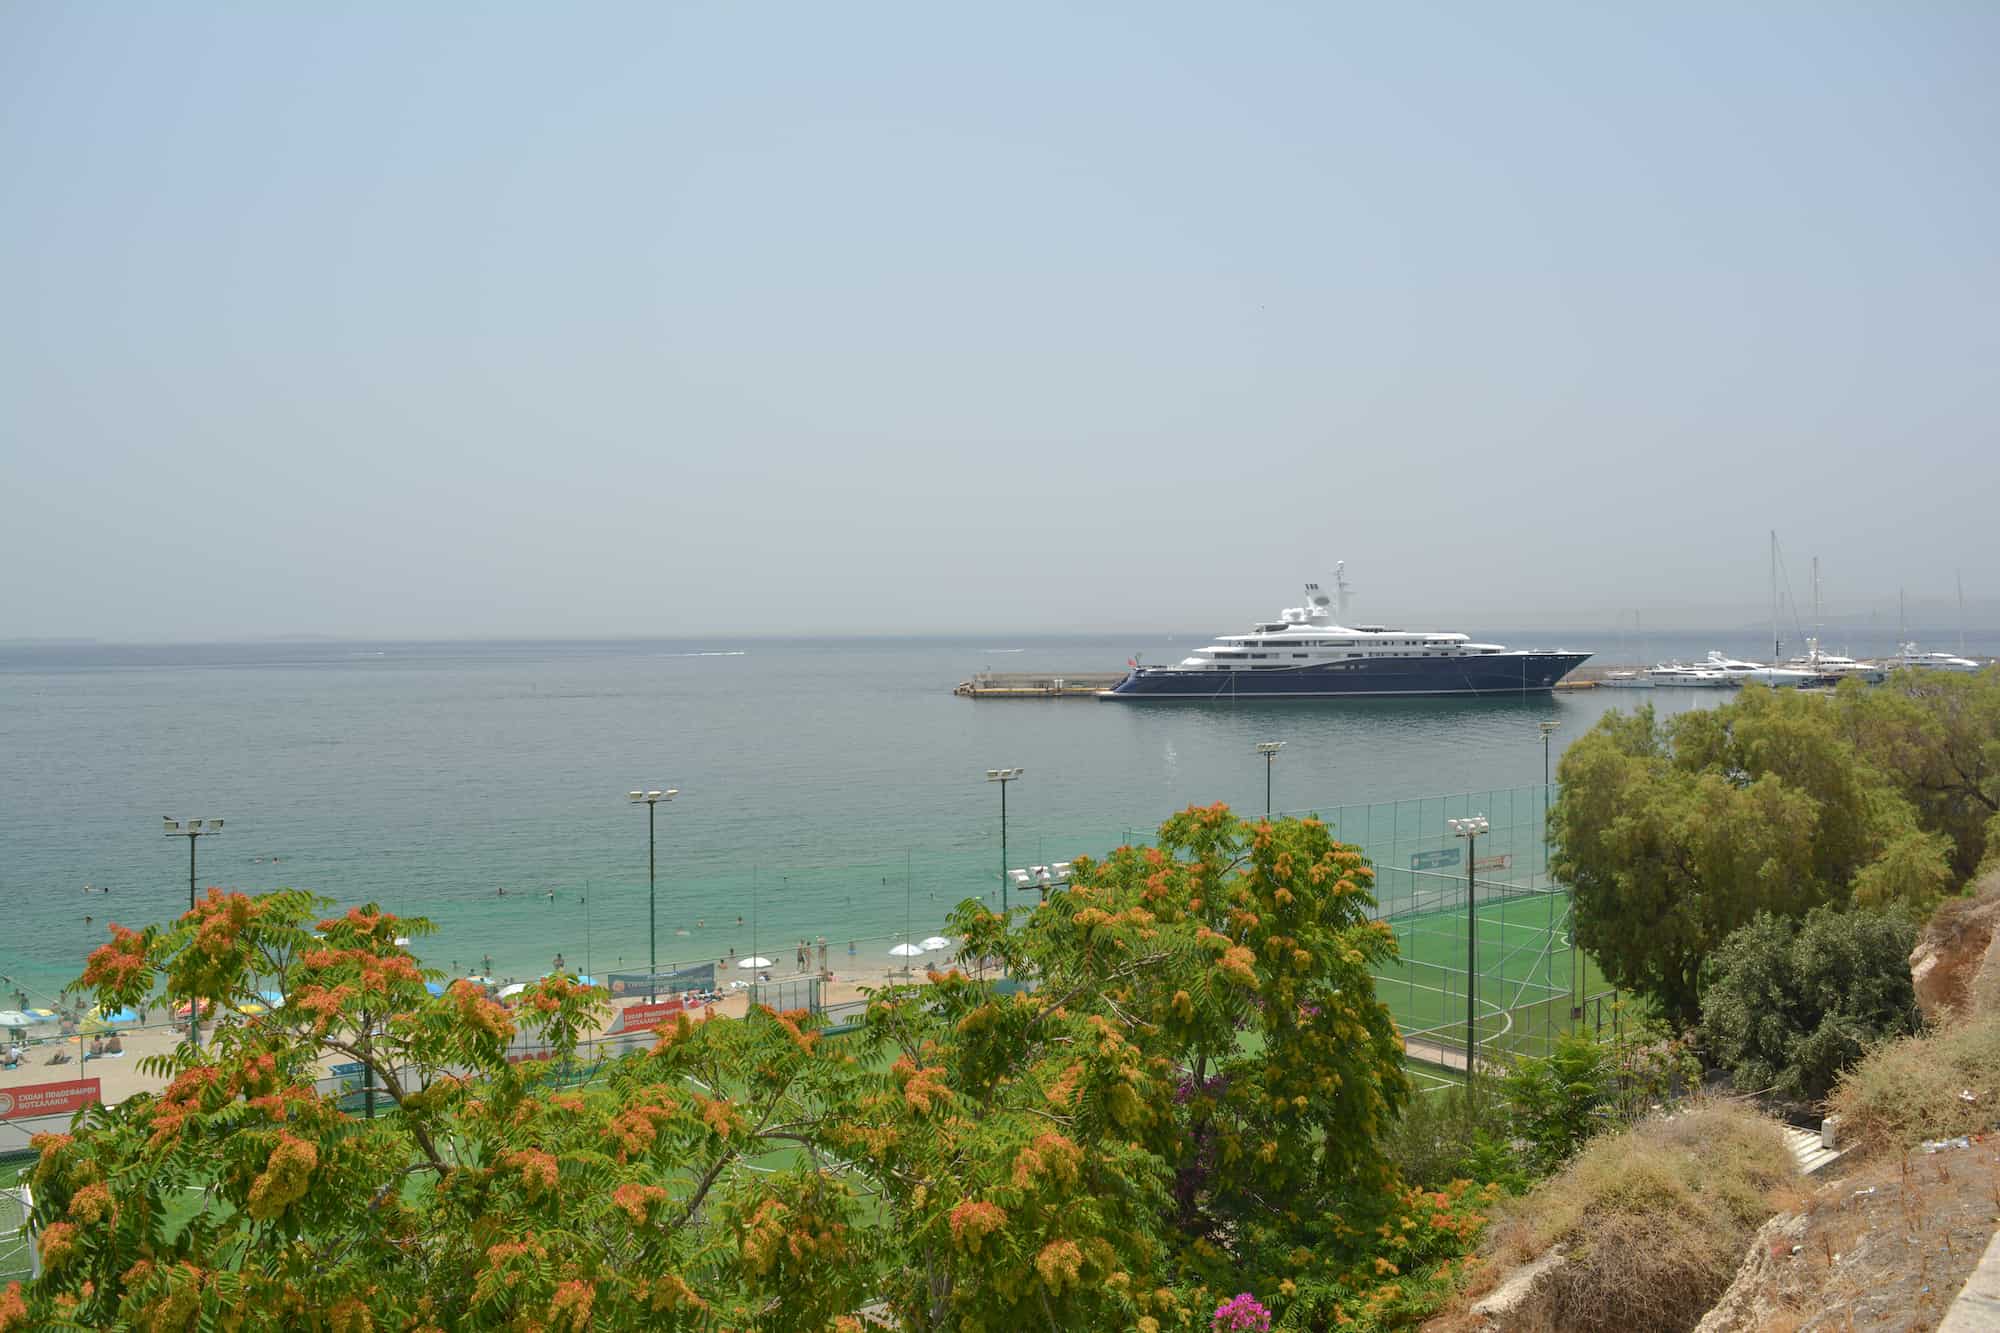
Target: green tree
1936	735
1793	1003
1673	836
1185	1100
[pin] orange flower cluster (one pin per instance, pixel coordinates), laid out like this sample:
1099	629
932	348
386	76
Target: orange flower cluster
635	1128
570	1307
1051	1153
323	1003
790	1019
13	1309
973	1221
58	1244
93	1203
286	1175
538	1169
182	1099
1239	965
120	963
638	1201
923	1088
1060	1263
221	918
480	1013
721	1115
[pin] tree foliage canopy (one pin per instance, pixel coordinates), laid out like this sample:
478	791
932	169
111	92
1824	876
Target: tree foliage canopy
1673	835
1793	1003
1184	1105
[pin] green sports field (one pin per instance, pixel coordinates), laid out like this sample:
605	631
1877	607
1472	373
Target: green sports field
1529	975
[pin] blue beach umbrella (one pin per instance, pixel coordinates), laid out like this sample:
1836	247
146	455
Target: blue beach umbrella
273	998
434	987
127	1015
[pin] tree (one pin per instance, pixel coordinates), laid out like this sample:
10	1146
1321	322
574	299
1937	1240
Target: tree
1937	737
1793	1003
1672	836
1189	1092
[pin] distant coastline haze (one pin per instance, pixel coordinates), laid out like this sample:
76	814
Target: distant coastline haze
630	320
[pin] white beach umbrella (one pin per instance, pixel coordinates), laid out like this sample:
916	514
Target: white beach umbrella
515	989
937	942
749	964
14	1018
906	951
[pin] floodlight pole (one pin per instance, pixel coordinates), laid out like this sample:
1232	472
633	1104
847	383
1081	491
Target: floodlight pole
1269	749
1003	776
191	830
1469	829
1548	727
651	800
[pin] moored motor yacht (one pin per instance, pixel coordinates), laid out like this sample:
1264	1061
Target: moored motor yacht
1310	652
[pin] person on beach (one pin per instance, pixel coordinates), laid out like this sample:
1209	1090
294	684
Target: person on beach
115	1046
559	963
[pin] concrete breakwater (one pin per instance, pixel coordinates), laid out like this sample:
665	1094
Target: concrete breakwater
1037	684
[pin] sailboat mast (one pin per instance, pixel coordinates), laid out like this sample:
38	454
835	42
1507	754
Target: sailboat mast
1959	574
1777	648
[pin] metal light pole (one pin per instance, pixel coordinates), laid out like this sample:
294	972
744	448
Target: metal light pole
1470	829
1269	749
1043	879
1003	776
1548	726
651	800
194	828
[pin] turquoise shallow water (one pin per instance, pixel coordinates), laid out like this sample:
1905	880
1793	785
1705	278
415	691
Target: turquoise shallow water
829	787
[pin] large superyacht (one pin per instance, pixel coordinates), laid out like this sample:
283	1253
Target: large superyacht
1309	652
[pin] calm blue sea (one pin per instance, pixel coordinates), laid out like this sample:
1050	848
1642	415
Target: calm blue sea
828	787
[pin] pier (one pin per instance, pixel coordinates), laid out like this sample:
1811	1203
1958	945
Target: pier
1037	684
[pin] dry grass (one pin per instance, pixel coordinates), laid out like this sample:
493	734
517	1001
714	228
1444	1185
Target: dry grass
1653	1221
1916	1089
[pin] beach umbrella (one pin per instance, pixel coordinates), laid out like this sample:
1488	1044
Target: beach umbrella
434	987
122	1016
14	1018
937	942
906	951
515	989
750	964
275	999
44	1015
585	980
250	1007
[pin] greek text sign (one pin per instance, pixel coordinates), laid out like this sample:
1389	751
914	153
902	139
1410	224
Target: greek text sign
33	1099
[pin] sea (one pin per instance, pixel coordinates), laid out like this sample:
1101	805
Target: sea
828	788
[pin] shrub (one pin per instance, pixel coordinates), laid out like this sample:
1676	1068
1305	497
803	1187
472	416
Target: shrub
1456	1133
1935	1086
1652	1220
1793	1003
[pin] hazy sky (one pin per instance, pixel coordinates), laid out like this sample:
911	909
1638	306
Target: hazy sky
582	319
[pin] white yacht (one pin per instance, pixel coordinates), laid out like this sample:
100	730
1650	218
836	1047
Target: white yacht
1910	657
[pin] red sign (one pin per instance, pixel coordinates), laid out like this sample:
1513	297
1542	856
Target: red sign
1504	861
33	1099
639	1017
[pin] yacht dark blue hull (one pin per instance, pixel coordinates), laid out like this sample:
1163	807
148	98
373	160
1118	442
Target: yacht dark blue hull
1495	673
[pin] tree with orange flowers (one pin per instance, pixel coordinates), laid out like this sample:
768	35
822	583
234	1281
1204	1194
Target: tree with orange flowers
1173	1099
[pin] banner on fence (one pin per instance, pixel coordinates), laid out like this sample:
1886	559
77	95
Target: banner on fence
33	1099
1437	860
640	1017
1504	861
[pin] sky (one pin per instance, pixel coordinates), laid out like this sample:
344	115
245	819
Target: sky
593	319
